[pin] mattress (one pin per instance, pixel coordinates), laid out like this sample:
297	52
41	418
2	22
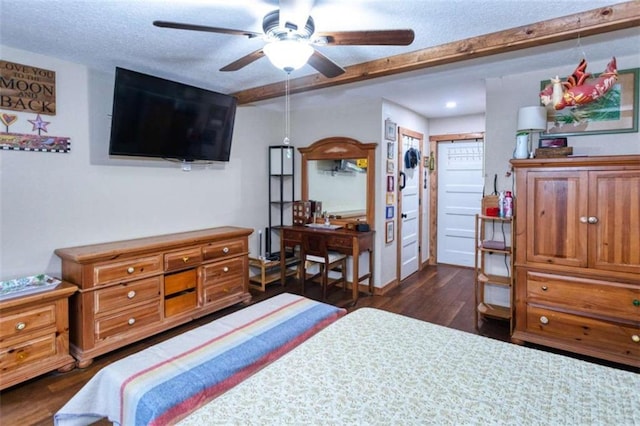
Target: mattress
374	367
167	381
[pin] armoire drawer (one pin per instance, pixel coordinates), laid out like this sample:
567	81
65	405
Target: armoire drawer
128	294
575	329
585	295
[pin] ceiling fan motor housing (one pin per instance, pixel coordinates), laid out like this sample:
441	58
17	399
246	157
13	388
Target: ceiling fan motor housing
273	29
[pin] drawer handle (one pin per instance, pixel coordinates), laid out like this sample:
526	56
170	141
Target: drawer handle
21	326
544	320
21	356
131	270
635	338
591	219
225	269
636	302
185	259
225	250
131	321
131	294
545	288
225	290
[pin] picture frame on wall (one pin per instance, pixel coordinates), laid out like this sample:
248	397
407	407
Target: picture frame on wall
390	183
389	212
390	167
615	112
390	130
390	198
389	231
390	150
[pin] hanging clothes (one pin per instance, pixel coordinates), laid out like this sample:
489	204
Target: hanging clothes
411	158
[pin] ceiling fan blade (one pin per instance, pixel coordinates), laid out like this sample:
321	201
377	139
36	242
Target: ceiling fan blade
244	61
192	27
295	12
366	38
324	65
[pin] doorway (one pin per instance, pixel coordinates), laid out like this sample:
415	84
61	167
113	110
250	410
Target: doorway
456	190
409	201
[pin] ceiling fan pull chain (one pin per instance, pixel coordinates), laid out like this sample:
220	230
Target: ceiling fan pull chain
287	107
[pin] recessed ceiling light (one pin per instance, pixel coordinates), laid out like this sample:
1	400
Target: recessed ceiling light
451	104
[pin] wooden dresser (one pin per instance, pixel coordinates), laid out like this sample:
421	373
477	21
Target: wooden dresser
34	335
577	266
129	290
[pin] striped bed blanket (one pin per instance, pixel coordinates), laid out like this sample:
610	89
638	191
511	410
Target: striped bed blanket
167	381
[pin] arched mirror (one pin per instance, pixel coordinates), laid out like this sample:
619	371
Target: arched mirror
340	173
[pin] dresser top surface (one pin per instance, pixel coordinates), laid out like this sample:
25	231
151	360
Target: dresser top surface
93	252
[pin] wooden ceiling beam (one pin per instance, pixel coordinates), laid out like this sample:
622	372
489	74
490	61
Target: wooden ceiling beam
597	21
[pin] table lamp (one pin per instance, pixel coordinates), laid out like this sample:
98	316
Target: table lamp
530	119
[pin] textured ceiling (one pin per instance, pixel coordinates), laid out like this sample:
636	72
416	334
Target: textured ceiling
108	33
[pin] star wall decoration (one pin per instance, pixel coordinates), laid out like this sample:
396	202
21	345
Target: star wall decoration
39	124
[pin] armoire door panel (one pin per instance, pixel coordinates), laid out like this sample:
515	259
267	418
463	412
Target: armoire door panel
614	221
556	204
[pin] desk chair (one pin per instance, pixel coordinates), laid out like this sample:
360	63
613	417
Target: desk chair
314	250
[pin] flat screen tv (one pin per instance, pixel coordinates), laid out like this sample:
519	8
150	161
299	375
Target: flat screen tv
154	117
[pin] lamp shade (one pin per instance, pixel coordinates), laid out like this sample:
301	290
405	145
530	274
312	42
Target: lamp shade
288	55
532	119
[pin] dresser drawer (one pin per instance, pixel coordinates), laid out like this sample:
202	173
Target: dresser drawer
585	295
224	249
574	329
130	320
182	302
38	347
181	281
123	295
182	259
127	270
223	271
24	322
220	290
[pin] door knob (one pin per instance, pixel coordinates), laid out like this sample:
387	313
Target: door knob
403	215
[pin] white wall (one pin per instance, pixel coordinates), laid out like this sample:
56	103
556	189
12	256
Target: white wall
505	95
52	200
408	119
473	123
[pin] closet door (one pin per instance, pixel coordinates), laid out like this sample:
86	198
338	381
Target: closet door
556	202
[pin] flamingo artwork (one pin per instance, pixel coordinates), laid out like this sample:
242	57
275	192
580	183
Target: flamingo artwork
579	88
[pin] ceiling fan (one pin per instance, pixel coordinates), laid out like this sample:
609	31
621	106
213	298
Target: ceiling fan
290	35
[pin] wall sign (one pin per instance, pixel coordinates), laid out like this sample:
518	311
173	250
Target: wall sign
26	88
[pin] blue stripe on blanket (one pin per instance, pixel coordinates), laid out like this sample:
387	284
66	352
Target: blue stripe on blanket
212	372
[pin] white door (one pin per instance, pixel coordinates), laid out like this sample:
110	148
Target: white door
460	184
409	205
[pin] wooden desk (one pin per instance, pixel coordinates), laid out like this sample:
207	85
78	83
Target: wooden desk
341	240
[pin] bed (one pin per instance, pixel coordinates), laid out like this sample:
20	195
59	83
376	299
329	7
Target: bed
376	367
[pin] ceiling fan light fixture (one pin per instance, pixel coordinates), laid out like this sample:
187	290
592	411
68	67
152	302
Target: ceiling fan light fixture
288	55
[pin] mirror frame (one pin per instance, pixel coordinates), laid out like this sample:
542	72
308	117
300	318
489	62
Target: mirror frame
342	148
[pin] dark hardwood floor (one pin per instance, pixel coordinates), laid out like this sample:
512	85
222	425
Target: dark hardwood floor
440	294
